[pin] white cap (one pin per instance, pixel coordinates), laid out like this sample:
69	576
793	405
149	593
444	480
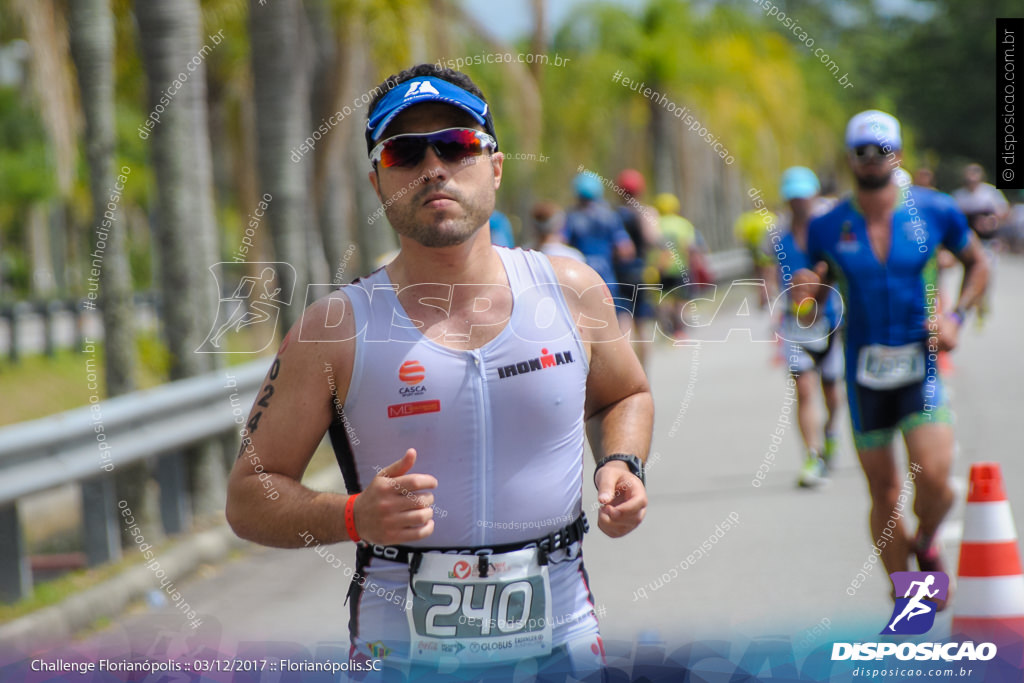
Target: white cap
873	127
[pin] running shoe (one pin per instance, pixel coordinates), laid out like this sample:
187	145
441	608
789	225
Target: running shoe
829	453
929	559
812	473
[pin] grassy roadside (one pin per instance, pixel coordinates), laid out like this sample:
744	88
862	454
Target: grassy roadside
39	385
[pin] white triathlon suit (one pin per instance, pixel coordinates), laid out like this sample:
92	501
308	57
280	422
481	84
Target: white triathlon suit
500	427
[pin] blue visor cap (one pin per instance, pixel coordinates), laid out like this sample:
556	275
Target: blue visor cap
417	91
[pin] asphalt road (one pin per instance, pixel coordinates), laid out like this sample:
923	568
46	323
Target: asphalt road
785	565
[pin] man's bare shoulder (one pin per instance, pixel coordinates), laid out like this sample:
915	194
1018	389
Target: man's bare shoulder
588	298
573	274
328	319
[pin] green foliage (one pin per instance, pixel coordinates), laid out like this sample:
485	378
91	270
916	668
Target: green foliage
26	172
929	62
769	103
27	177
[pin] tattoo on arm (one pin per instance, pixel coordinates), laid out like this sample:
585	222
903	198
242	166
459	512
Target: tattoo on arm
264	401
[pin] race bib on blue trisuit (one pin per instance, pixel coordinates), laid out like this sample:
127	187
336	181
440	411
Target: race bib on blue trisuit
455	614
890	367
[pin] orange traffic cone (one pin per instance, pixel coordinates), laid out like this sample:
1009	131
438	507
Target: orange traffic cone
990	594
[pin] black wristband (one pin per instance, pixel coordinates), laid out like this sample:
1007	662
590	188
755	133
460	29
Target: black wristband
636	466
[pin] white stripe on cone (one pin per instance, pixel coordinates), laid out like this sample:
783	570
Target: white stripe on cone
988	522
990	597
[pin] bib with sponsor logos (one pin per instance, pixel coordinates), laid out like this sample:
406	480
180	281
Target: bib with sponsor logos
890	367
455	614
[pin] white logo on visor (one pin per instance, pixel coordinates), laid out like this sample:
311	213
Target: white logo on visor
420	88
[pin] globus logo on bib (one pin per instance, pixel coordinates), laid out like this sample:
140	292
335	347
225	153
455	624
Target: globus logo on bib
917	595
461	570
465	570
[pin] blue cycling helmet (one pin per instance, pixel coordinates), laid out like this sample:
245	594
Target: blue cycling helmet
588	186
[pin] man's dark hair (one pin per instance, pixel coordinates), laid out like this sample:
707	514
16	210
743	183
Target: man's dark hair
420	71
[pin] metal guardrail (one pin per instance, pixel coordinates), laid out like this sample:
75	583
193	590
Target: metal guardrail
38	326
61	449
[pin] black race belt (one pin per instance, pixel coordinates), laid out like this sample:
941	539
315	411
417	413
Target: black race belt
563	538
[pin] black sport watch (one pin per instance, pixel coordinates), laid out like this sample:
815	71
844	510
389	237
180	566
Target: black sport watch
636	466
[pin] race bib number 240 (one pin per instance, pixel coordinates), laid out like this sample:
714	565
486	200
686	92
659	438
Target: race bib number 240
455	613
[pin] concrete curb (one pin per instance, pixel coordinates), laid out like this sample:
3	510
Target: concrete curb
58	623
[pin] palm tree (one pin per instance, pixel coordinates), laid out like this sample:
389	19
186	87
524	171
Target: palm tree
280	73
186	238
52	86
92	48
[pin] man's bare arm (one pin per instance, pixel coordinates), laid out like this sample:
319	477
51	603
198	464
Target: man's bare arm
619	408
288	420
976	271
618	396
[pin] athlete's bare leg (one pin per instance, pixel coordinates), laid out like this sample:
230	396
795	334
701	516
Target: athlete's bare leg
833	399
884	482
807	411
930	446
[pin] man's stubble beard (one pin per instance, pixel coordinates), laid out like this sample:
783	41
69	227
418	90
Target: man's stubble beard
449	231
872	182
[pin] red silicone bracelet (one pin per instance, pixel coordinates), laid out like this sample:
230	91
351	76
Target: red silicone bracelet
350	518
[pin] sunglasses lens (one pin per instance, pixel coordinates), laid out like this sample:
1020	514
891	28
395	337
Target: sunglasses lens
403	151
456	145
866	152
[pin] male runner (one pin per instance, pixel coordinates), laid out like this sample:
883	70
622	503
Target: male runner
751	229
880	248
548	220
641	224
674	260
458	379
811	350
596	230
983	204
986	208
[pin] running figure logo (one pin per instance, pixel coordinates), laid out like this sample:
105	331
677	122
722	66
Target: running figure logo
252	301
916	597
